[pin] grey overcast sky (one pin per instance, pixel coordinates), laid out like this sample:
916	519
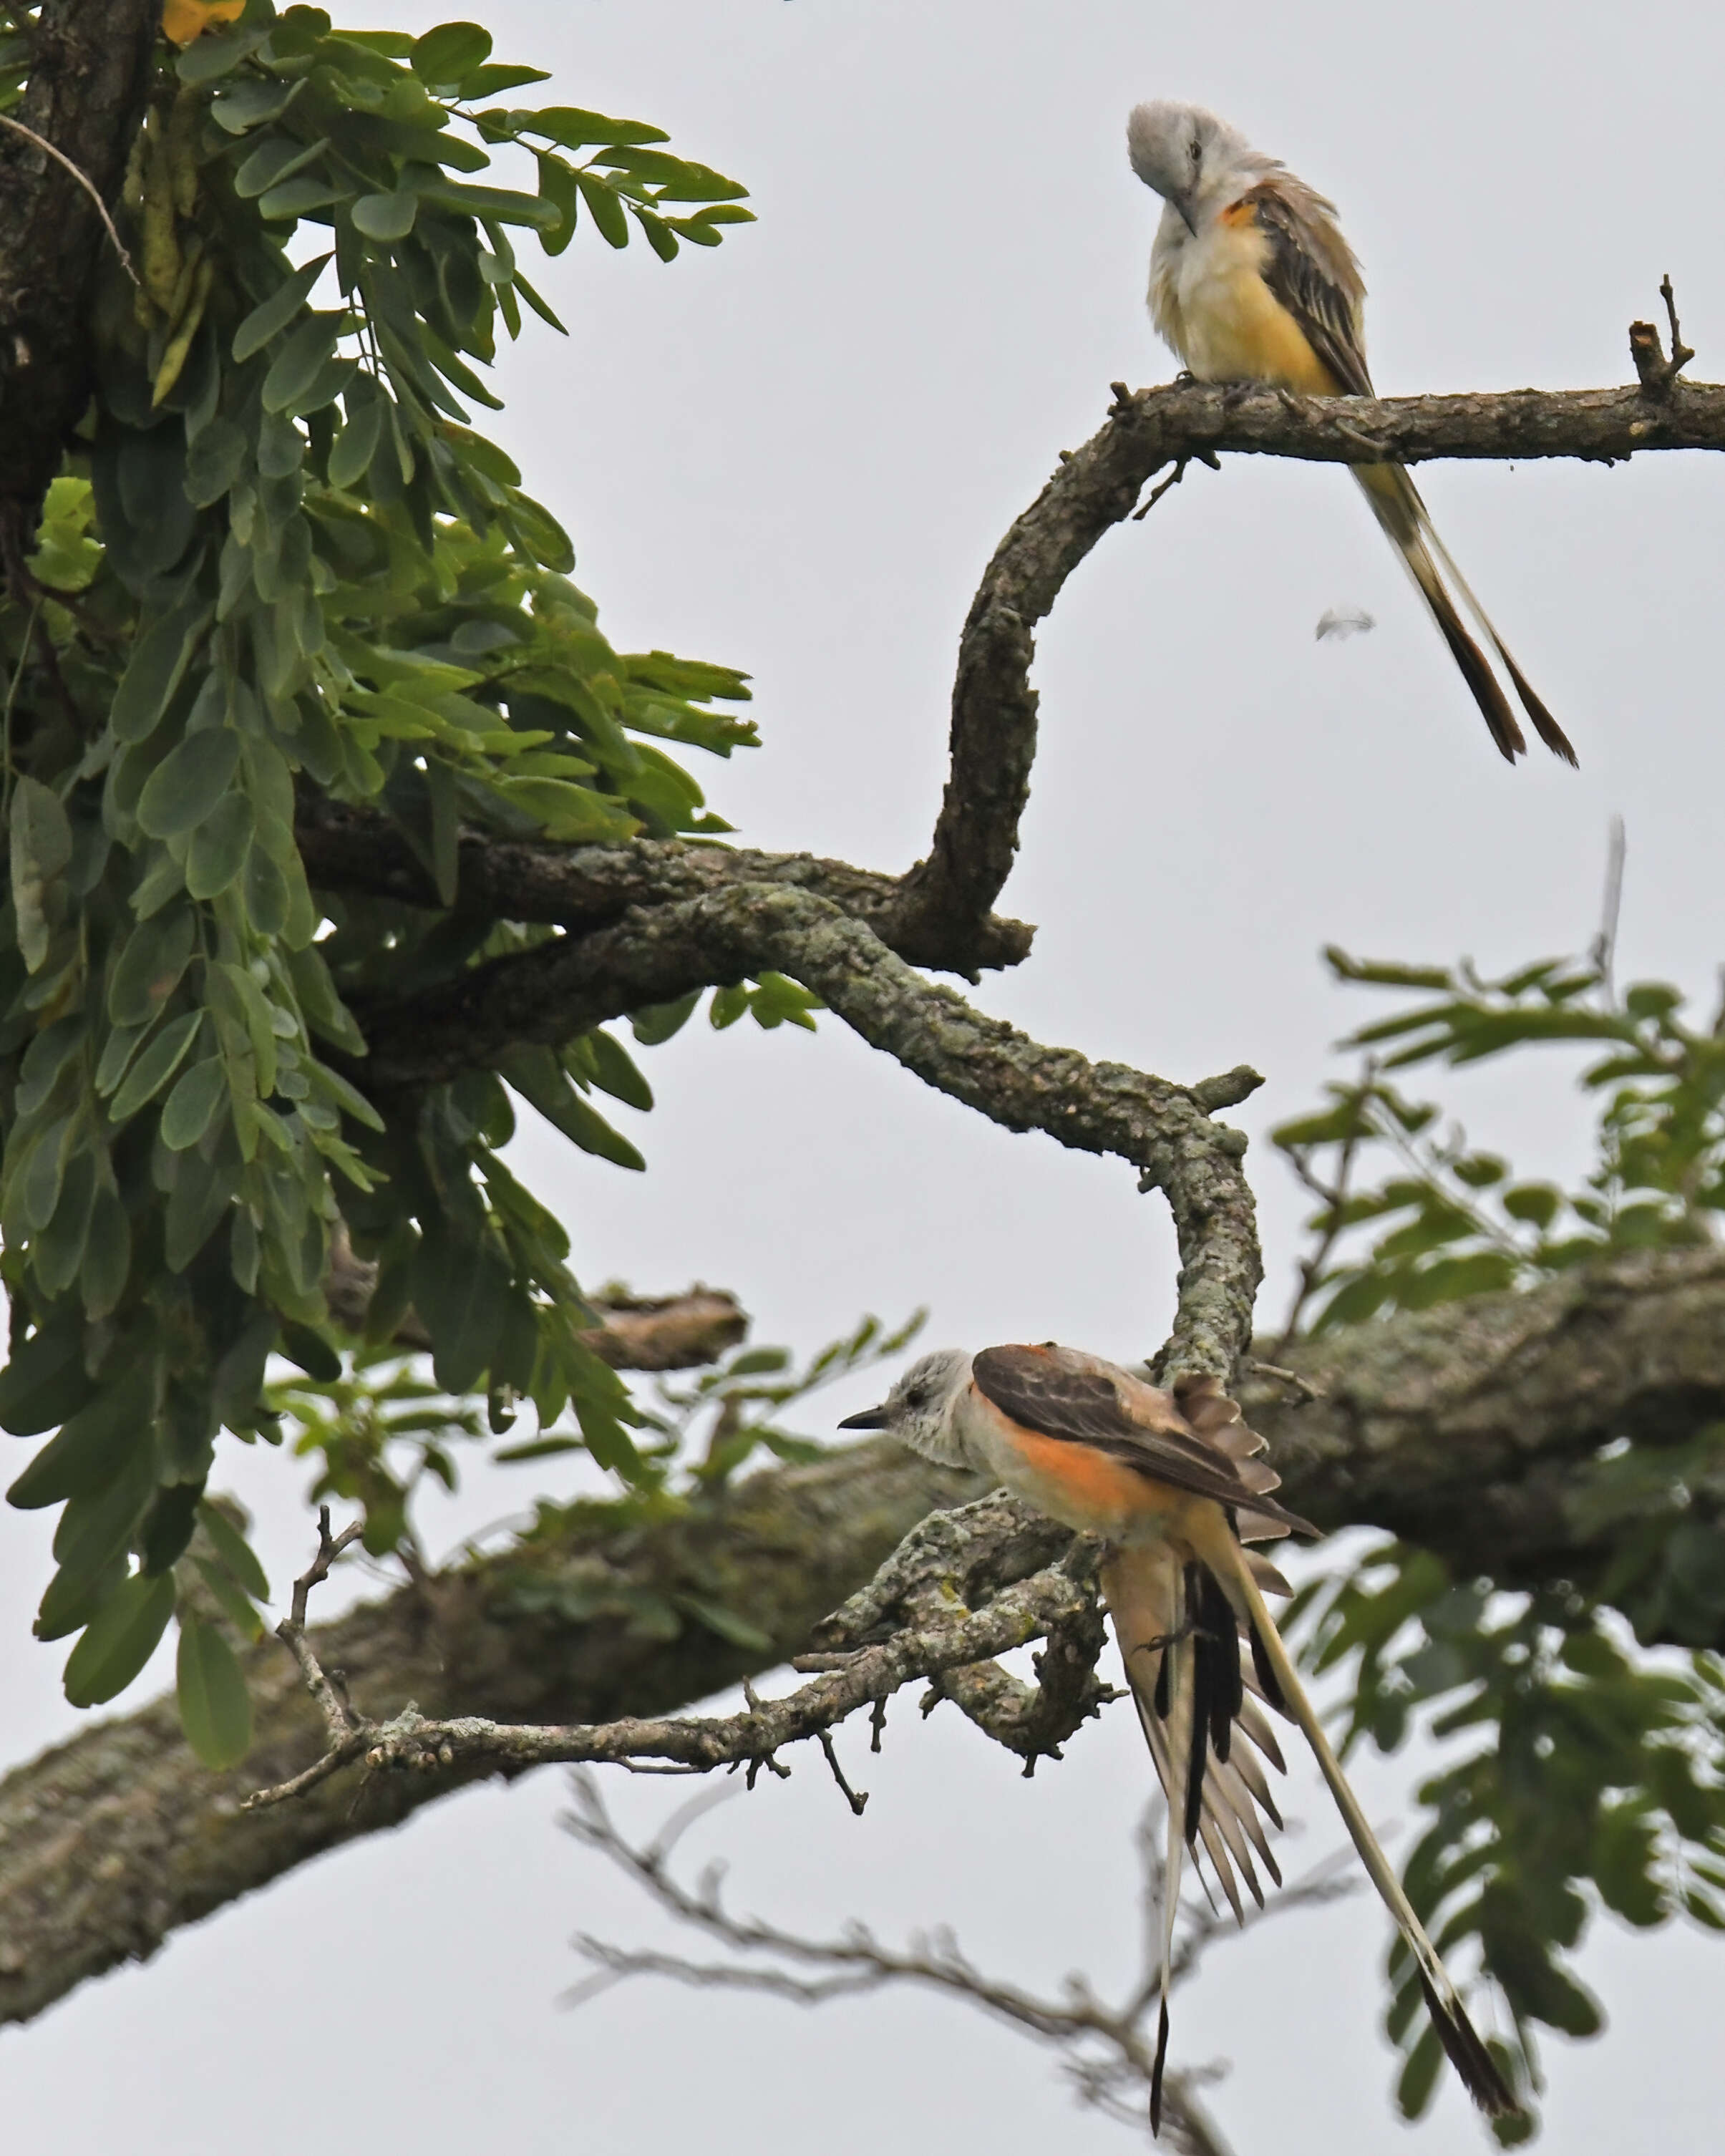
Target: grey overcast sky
796	453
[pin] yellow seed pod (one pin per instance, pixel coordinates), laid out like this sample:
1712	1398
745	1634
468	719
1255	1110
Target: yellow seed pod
183	20
180	344
159	245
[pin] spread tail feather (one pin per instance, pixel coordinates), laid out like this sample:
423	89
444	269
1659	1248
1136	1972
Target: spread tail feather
1479	2071
1191	1680
1396	504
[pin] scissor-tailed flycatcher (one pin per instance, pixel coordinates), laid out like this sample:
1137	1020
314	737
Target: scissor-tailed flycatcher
1250	280
1173	1482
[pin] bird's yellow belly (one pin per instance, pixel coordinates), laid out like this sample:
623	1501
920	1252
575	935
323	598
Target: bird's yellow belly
1226	323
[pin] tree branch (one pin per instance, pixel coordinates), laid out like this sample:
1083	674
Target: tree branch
352	848
994	708
111	1841
1471	1429
1164	1129
938	914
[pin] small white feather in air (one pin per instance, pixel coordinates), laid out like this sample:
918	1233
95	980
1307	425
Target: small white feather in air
1343	622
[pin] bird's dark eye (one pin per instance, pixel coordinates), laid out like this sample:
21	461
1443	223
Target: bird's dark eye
1194	149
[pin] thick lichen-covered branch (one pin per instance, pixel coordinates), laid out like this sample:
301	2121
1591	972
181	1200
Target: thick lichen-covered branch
1164	1131
1473	1429
110	1842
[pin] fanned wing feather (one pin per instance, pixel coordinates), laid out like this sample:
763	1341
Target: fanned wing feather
1064	1394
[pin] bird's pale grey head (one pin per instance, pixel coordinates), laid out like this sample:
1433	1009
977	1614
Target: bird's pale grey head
1182	152
918	1410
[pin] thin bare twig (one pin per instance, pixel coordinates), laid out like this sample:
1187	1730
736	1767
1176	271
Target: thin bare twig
856	1799
1174	478
1017	1615
83	180
1107	2051
345	1728
1657	374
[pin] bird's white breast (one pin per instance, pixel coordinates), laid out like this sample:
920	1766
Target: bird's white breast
1208	300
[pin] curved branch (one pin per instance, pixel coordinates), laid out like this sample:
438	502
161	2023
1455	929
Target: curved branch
1162	1130
349	849
994	708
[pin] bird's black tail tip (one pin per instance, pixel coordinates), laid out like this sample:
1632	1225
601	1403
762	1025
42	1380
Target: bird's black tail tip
1480	2075
1156	2070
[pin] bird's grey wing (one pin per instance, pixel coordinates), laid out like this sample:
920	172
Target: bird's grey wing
1311	270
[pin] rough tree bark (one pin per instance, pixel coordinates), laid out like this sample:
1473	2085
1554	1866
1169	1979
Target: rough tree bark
86	96
1470	1426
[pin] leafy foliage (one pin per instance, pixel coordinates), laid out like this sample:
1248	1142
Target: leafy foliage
705	1427
281	559
1450	1220
1580	1773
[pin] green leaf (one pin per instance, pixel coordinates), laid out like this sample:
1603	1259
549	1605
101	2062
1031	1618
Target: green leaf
234	1551
299	369
605	208
272	315
119	1639
488	81
465	1307
83	1456
654	1023
186	784
108	1256
190	1109
215	1710
304	1345
249	103
293	197
574	128
215	460
45	1380
1418	2076
450	53
41	844
273	162
154	1067
614	1071
539	1080
219	846
234	1606
385	217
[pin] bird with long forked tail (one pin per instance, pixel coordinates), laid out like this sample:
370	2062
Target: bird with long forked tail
1175	1485
1251	280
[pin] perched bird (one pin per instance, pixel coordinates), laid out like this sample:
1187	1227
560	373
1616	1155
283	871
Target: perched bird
1251	280
1173	1482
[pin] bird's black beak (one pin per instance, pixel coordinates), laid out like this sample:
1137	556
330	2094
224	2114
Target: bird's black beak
1183	204
869	1419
